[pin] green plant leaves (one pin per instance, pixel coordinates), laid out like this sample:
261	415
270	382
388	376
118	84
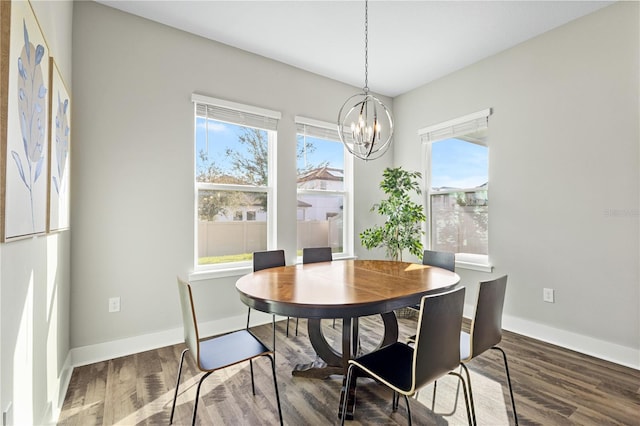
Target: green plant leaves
403	225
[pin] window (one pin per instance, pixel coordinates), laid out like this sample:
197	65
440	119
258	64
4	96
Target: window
235	181
458	188
324	182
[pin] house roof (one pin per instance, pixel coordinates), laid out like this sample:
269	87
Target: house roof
323	173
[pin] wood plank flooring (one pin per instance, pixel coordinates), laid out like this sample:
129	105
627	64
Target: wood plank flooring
552	386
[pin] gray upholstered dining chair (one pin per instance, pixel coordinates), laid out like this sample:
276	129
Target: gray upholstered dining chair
485	333
268	259
263	260
215	353
436	352
316	254
440	259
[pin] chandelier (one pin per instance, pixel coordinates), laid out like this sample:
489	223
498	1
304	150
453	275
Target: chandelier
365	124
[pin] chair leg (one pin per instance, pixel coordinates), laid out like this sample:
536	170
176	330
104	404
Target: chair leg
297	326
506	369
275	384
175	395
473	406
248	317
455	401
406	399
287	327
345	395
395	400
433	400
195	403
472	420
273	328
253	385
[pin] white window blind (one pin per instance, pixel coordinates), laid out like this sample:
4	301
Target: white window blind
316	128
235	113
457	127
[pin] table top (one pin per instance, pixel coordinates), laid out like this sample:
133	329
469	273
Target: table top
342	288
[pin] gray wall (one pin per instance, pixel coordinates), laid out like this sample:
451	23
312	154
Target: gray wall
564	164
563	153
563	172
133	217
35	281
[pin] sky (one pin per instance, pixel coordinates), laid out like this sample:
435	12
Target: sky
225	135
456	163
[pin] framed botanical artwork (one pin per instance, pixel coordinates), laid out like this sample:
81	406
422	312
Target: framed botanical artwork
59	143
24	99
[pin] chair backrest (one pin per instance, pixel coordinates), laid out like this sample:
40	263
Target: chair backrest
486	328
440	259
437	347
267	259
189	322
316	254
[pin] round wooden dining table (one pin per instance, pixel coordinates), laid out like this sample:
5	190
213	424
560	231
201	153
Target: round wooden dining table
345	289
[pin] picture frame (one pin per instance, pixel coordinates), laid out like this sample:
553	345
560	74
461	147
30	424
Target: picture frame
24	127
59	150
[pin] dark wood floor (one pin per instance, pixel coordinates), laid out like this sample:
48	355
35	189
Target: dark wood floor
553	386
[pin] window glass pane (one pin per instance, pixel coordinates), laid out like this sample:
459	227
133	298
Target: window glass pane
320	164
459	222
320	221
231	154
458	164
231	226
460	209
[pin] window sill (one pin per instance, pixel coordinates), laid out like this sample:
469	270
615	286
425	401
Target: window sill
474	262
219	273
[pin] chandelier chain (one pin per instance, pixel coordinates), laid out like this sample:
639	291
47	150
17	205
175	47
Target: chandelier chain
365	124
366	46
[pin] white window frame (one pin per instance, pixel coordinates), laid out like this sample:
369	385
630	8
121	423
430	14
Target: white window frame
446	130
347	192
248	116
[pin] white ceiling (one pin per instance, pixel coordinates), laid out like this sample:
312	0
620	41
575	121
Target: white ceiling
410	42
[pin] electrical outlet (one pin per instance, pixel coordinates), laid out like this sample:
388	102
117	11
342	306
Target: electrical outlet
547	295
114	304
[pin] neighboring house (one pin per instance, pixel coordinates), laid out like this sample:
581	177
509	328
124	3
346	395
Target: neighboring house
312	207
322	178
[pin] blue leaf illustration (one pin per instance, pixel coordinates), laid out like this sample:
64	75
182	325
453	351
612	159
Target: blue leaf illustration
42	91
23	127
27	45
21	94
21	70
55	183
39	54
16	158
38	169
66	105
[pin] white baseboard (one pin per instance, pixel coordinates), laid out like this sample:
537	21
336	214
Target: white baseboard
53	409
105	351
618	354
608	351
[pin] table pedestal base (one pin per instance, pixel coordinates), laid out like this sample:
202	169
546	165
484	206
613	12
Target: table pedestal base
316	370
334	362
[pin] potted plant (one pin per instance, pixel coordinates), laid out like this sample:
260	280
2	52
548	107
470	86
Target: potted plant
403	225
